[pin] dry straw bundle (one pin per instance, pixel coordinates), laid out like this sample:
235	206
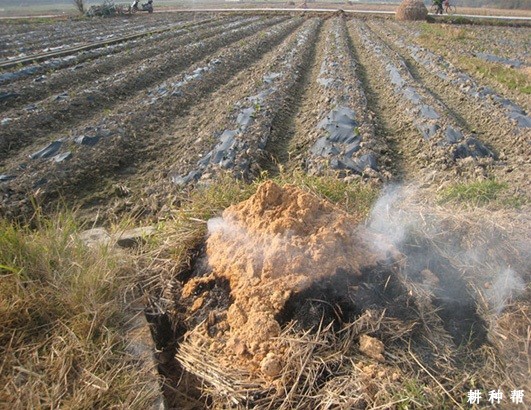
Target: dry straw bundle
412	10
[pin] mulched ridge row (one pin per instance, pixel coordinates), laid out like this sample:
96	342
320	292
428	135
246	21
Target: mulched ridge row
63	112
242	144
57	34
344	138
444	140
129	132
105	61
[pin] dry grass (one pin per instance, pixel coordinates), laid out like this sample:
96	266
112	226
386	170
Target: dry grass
325	370
186	227
63	315
64	307
500	76
411	10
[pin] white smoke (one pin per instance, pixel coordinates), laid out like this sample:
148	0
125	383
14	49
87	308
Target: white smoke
215	225
389	219
240	244
401	220
235	234
506	286
416	229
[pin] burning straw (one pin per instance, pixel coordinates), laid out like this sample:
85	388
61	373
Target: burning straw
423	301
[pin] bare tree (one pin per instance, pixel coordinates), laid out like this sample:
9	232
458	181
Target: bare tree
80	5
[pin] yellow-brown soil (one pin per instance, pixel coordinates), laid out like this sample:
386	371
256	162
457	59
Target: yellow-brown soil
275	243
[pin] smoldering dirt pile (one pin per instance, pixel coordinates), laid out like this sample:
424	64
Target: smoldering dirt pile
264	250
285	265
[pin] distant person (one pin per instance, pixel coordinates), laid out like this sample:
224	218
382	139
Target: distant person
145	7
439	4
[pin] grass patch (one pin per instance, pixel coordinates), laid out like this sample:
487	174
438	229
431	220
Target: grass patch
207	201
412	395
481	193
435	33
354	198
63	310
187	227
477	193
436	37
509	77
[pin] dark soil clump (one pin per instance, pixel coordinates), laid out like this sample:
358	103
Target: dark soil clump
342	298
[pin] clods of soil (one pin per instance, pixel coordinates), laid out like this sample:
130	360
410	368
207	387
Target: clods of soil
278	251
285	258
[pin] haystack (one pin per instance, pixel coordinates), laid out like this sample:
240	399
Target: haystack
412	10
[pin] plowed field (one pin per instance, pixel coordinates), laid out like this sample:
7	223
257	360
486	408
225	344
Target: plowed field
360	99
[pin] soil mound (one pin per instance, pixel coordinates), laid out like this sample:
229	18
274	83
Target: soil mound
289	296
270	247
411	10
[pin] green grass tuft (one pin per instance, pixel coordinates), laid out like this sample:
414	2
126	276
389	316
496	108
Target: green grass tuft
479	193
354	197
510	77
438	37
411	395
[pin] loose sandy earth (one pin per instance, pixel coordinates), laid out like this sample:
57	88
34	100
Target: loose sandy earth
274	244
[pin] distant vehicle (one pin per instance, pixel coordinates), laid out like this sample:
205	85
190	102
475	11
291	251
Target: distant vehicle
448	8
145	7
